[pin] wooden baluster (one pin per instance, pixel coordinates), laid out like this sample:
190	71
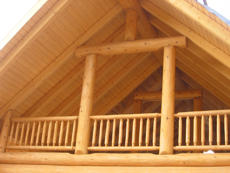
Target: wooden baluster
114	132
94	132
55	133
100	132
22	133
226	129
67	133
17	132
120	132
195	131
44	133
73	132
210	130
218	133
12	132
154	131
180	132
49	133
107	133
127	133
197	106
61	133
202	130
27	133
33	132
141	131
5	131
187	130
38	133
134	132
147	132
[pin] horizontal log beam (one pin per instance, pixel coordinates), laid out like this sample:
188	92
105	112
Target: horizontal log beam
179	95
10	168
132	47
110	159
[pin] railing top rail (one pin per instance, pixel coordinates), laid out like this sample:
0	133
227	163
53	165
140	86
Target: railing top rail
203	113
64	118
125	116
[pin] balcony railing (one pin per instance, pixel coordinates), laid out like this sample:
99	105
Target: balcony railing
43	133
205	130
137	132
194	131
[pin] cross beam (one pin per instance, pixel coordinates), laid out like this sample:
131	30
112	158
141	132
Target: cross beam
132	47
179	95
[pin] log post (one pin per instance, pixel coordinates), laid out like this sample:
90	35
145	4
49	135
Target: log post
5	131
131	24
167	104
86	105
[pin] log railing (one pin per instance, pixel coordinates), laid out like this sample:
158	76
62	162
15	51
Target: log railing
193	131
43	133
137	132
201	131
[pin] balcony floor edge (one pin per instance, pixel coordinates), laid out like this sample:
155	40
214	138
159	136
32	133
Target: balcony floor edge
110	159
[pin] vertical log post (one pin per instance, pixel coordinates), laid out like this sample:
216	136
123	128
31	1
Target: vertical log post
167	104
131	24
197	106
5	131
86	105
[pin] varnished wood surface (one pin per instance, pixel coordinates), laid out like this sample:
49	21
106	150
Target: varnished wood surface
47	78
9	168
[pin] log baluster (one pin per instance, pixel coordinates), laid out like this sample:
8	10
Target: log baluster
38	133
127	133
67	133
154	131
27	133
202	130
210	130
33	134
120	132
218	133
114	132
147	132
226	129
55	133
187	131
22	133
107	132
134	132
140	131
180	132
94	132
100	133
61	133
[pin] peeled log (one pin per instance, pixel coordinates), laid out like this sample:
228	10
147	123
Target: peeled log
110	159
132	47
